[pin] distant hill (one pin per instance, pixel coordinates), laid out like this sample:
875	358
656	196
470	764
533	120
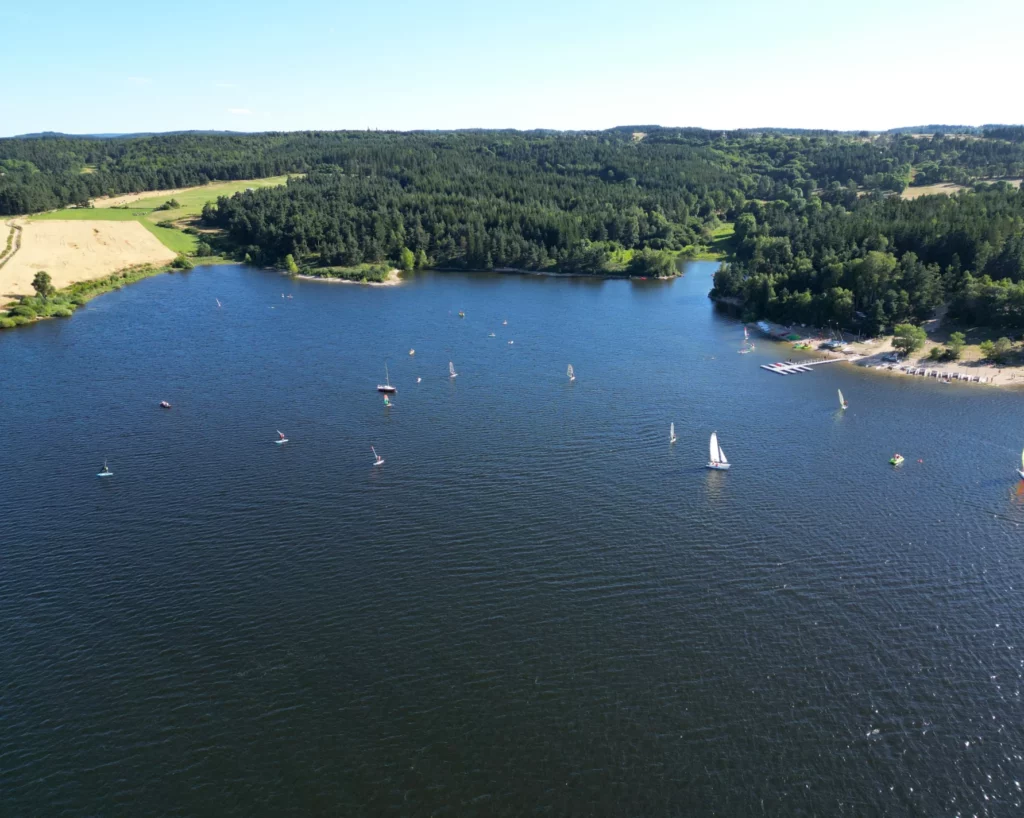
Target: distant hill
60	135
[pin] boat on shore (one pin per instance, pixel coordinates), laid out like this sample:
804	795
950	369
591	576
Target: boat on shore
718	459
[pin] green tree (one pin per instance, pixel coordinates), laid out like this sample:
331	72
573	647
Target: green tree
996	352
43	284
421	258
290	265
406	259
956	344
907	338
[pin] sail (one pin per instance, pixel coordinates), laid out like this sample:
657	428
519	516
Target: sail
746	335
721	455
842	402
569	371
451	368
387	376
671	431
1022	460
714	447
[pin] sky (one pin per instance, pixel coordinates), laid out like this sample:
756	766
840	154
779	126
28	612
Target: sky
121	67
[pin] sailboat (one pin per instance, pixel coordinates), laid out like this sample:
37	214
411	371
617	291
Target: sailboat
672	433
504	323
570	373
218	302
717	460
1020	471
106	471
746	335
386	386
842	401
377	459
451	370
280	438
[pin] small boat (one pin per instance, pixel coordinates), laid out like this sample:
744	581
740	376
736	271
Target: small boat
570	373
896	460
412	351
419	380
106	471
387	401
218	302
504	323
511	342
491	335
462	314
288	296
377	459
164	405
672	433
842	401
718	460
280	438
386	386
451	370
746	335
1020	471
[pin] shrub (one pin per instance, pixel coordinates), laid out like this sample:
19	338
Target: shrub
19	320
182	263
7	323
63	312
937	353
23	311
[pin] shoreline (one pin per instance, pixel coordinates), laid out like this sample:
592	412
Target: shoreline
394	279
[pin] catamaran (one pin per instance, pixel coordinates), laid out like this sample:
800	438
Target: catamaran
451	370
377	459
842	401
570	373
1020	471
280	438
717	460
106	471
672	433
386	386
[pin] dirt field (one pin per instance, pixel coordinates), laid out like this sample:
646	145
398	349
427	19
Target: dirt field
128	198
931	190
73	251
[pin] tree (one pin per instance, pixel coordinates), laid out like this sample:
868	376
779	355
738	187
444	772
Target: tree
406	259
955	346
43	284
421	258
907	338
998	351
290	265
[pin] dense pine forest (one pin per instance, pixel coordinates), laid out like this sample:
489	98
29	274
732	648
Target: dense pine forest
821	231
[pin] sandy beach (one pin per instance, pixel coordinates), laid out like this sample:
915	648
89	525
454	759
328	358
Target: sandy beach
393	280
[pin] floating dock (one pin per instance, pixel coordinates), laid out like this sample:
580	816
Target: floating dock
805	366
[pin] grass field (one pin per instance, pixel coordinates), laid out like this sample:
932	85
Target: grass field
143	210
721	237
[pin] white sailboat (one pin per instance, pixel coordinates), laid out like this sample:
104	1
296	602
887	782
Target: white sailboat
842	401
570	373
451	370
672	433
746	335
1020	471
218	302
718	460
377	459
106	471
280	438
386	386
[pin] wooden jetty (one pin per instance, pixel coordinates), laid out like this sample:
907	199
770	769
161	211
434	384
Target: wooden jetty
797	367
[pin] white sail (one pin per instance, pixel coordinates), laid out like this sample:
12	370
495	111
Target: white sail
672	433
451	370
714	448
570	373
721	455
1022	460
842	402
746	335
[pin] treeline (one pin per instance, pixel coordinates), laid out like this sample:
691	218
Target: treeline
881	261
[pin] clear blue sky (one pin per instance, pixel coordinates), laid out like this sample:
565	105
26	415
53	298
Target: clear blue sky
259	65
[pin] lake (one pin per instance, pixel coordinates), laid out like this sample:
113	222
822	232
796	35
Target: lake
537	604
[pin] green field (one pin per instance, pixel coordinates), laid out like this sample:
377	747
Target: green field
721	238
191	203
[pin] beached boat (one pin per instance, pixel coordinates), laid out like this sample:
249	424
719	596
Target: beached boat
106	471
280	438
451	370
718	459
377	459
842	401
570	373
386	386
672	433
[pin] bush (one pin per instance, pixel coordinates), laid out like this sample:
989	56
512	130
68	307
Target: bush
23	311
203	249
20	320
182	263
7	323
937	353
63	312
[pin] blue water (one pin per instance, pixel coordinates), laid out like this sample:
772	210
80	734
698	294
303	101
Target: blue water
536	605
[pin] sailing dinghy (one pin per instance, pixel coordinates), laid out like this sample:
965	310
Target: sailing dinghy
106	471
842	401
280	438
570	373
1020	471
672	433
718	460
386	386
377	459
451	370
